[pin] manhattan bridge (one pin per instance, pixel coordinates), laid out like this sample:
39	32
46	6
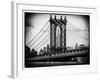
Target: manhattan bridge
56	52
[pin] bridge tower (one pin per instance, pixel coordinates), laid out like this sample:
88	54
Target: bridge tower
57	34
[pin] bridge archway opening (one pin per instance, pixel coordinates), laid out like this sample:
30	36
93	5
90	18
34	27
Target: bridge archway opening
58	34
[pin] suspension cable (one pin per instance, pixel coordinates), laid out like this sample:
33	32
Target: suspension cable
39	37
74	26
42	40
79	34
38	33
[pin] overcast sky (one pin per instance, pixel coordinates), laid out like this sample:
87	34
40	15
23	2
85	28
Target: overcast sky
35	21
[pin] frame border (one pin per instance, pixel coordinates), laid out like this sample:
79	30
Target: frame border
14	31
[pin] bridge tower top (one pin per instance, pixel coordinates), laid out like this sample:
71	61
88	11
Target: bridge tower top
62	18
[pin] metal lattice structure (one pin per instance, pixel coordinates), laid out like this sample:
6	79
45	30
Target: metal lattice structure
58	43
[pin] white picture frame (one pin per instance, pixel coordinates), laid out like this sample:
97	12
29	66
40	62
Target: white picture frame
17	68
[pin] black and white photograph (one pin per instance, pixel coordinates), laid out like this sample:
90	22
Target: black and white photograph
54	39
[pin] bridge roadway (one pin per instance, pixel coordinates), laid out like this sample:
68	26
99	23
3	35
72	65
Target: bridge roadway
75	53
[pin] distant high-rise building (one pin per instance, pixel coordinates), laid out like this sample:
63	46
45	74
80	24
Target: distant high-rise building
48	48
44	49
41	51
76	46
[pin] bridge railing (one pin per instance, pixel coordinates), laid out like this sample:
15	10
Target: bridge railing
78	51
